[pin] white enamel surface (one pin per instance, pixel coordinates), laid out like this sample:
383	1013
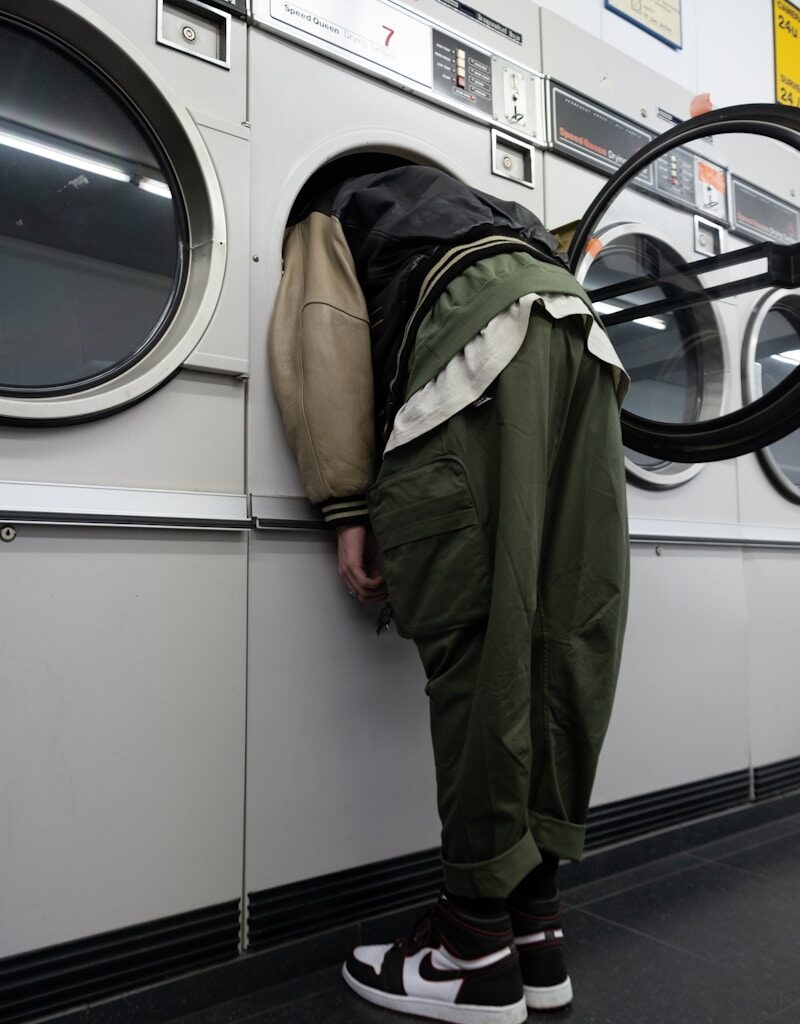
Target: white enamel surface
685	675
338	733
122	732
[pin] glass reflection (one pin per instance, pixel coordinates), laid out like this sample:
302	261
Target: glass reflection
777	354
663	354
90	238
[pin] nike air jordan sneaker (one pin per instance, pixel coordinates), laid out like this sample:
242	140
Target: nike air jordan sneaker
539	938
454	967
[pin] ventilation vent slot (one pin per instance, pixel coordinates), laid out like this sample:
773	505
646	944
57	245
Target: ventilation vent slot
781	777
79	972
304	908
623	819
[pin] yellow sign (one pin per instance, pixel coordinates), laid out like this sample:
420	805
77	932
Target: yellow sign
787	52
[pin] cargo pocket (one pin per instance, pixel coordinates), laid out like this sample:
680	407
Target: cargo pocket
433	547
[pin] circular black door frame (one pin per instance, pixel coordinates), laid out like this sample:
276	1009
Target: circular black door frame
773	415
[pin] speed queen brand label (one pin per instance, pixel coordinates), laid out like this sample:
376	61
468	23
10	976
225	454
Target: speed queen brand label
370	29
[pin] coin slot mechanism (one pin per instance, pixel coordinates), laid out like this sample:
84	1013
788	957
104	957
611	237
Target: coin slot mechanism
512	158
709	239
195	29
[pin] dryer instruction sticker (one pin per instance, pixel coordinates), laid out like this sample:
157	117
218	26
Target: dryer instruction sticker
786	21
661	18
369	29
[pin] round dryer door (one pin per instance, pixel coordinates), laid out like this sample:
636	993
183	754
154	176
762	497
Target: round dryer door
677	360
109	210
771	353
676	252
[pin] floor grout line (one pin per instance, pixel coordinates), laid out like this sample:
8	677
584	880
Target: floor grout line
779	1013
628	888
792	996
734	867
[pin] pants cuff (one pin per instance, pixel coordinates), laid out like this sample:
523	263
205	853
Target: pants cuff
559	837
493	878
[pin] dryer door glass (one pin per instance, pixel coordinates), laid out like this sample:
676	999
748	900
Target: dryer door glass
720	192
674	359
772	352
92	237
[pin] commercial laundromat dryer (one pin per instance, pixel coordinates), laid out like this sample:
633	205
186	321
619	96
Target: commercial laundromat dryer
204	746
337	89
124	160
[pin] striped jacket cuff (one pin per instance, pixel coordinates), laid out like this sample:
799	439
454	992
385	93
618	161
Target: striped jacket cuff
345	511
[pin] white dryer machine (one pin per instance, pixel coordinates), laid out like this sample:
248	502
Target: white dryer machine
684	671
765	209
124	163
669	254
338	89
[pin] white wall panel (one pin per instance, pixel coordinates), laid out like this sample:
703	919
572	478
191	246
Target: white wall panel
727	49
681	710
735	60
122	673
773	583
340	768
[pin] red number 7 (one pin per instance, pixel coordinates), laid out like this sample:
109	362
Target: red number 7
391	33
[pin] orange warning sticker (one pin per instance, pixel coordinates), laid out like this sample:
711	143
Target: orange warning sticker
712	176
594	247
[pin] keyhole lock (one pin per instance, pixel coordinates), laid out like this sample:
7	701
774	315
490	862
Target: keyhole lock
508	163
7	534
188	33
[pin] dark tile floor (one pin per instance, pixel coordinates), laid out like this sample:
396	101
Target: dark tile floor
710	936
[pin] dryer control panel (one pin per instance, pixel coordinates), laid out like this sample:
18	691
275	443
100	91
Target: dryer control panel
591	134
417	54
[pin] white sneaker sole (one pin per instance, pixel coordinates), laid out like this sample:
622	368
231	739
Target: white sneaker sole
457	1013
549	998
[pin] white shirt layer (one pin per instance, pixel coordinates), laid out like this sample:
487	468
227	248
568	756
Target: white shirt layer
470	372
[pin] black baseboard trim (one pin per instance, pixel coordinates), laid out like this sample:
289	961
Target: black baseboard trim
280	960
776	778
86	970
347	897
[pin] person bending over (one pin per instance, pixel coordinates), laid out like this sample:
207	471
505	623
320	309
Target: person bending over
453	405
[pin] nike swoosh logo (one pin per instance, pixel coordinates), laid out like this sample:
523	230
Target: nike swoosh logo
430	973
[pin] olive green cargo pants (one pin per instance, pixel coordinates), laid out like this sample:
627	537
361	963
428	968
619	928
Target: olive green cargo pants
504	540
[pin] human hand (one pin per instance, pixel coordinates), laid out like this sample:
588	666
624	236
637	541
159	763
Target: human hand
358	563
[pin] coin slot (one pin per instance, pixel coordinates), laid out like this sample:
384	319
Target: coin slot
196	29
709	239
512	158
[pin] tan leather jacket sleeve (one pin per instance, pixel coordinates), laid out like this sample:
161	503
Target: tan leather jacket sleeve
321	363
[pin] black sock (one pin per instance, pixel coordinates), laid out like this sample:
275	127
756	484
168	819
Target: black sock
540	884
482	907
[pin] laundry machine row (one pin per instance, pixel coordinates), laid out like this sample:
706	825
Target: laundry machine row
714	547
124	353
173	622
151	154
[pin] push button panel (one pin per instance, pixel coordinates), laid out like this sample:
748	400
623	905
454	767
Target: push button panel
461	73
